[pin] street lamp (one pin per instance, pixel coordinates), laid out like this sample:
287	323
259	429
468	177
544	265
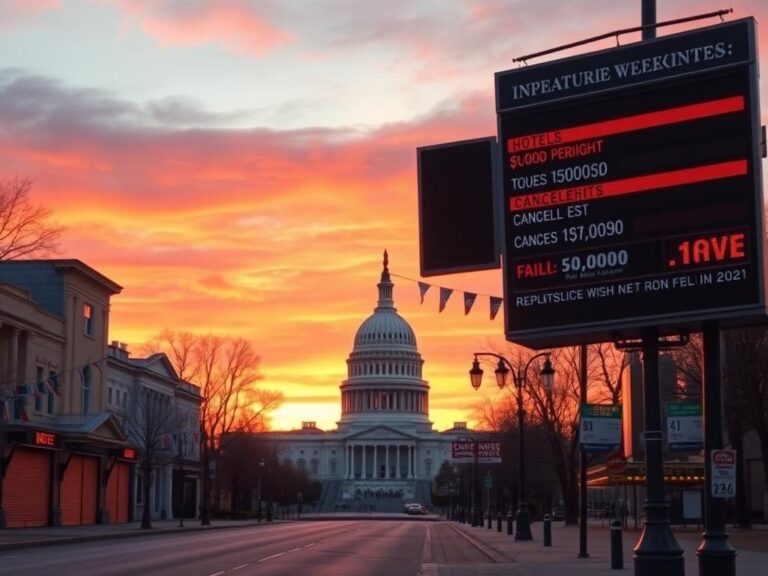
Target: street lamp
258	488
503	368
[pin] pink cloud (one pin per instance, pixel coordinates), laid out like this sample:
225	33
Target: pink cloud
233	26
14	12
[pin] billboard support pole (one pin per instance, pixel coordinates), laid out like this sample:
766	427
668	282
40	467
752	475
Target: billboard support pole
657	551
716	556
582	458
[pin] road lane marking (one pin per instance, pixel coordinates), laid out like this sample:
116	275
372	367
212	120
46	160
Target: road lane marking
293	550
310	545
241	567
265	559
217	574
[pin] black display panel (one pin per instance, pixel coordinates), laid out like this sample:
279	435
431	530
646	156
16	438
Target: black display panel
457	193
638	205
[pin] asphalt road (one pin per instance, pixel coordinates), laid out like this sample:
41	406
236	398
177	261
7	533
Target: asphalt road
360	548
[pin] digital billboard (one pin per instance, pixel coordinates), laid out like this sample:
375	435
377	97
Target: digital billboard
457	192
632	189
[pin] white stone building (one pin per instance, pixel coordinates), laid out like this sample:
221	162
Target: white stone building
384	448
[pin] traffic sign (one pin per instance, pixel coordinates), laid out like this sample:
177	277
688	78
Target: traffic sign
600	429
685	430
723	473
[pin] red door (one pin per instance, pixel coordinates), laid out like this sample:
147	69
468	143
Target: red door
80	491
27	490
118	493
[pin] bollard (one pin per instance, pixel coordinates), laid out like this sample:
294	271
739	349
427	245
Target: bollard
547	530
617	552
498	522
489	520
509	523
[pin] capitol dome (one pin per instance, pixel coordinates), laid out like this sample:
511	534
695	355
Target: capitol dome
384	382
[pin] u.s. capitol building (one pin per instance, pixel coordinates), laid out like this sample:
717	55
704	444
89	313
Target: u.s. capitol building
384	447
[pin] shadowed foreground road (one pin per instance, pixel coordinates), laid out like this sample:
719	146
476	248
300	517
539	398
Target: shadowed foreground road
357	548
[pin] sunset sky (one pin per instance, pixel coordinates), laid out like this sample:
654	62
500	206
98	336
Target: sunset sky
239	166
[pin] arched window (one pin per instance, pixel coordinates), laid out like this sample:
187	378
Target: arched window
315	466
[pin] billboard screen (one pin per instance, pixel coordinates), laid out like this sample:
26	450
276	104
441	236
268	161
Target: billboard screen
457	193
632	189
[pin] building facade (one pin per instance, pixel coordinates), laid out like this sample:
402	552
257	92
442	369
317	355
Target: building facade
65	457
384	449
155	406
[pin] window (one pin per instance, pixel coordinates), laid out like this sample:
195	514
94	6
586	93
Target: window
88	319
109	395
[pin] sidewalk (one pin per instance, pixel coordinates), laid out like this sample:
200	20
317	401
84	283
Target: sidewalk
533	558
11	538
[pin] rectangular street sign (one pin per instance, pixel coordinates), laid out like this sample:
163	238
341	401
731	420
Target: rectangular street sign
600	429
632	189
487	452
685	430
723	473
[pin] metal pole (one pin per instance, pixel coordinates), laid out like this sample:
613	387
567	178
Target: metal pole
657	552
648	18
716	556
582	459
523	518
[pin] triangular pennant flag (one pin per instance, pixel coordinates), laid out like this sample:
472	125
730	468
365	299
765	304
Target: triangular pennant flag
423	287
4	415
445	293
495	305
23	414
469	300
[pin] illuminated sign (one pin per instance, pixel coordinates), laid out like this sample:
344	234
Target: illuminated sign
46	439
129	453
632	189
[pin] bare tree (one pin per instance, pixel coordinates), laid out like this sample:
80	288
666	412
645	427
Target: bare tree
227	372
25	229
151	422
556	411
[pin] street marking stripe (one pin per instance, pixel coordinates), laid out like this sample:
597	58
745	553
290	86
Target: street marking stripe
293	550
268	558
241	567
217	574
309	545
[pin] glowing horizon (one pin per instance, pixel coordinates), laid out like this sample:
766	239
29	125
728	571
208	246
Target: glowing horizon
240	167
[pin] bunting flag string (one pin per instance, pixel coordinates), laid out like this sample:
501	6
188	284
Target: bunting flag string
469	298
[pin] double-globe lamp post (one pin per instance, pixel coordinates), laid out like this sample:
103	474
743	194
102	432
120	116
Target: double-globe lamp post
503	368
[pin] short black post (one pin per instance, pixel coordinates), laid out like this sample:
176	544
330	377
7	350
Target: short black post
498	522
617	549
509	523
547	530
489	519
